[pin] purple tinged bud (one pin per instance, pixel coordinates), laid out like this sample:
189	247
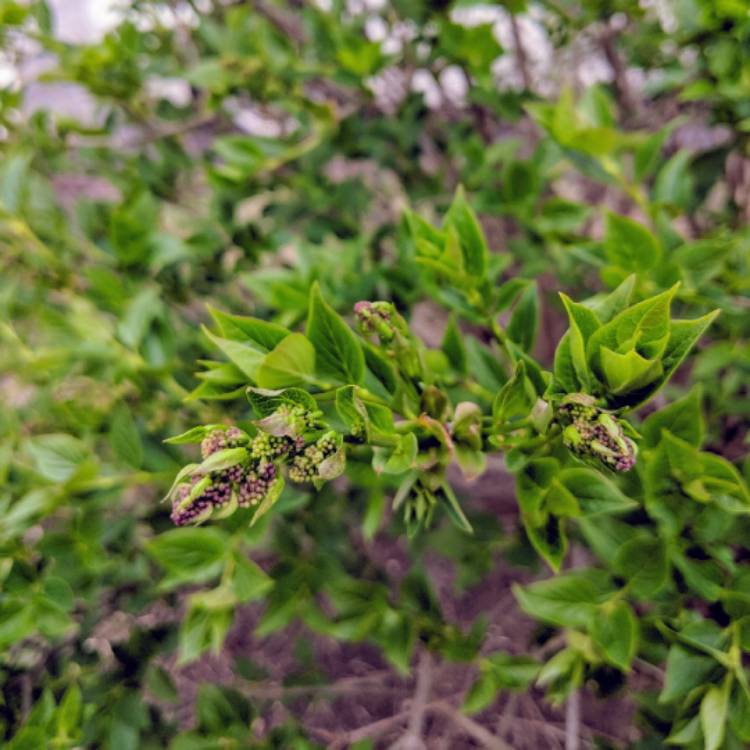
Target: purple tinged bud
591	432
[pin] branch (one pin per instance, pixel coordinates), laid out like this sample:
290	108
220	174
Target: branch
413	737
573	721
474	730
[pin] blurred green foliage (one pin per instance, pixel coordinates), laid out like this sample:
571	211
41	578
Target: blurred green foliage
234	156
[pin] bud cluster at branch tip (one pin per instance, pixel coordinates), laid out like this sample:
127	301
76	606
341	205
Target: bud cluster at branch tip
306	466
591	432
249	480
380	318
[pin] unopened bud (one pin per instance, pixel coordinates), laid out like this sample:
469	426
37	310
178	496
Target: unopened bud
591	432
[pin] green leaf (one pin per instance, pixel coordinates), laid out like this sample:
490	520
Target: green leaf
683	334
549	540
290	363
379	370
524	321
674	185
338	353
272	496
642	561
594	492
223	459
630	245
261	334
644	327
193	435
190	554
682	418
265	401
203	629
462	218
583	323
481	694
568	600
713	713
124	437
454	347
625	373
615	630
616	301
58	457
247	358
453	508
69	712
249	582
401	459
516	398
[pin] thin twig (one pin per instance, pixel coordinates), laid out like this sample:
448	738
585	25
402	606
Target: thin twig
474	730
573	721
413	736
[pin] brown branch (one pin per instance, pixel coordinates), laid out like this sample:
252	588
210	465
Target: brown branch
470	727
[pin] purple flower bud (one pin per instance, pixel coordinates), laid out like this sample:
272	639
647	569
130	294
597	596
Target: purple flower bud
591	432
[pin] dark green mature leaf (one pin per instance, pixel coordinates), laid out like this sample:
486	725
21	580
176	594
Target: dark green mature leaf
642	561
682	418
338	353
549	539
685	670
190	554
615	631
594	492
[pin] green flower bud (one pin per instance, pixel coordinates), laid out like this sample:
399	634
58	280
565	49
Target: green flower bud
591	432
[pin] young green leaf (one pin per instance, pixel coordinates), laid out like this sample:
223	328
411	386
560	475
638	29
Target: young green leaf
291	363
629	245
338	353
260	334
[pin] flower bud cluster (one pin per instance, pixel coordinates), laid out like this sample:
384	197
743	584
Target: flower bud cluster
185	511
380	318
289	420
269	447
305	466
250	480
590	432
255	484
218	440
